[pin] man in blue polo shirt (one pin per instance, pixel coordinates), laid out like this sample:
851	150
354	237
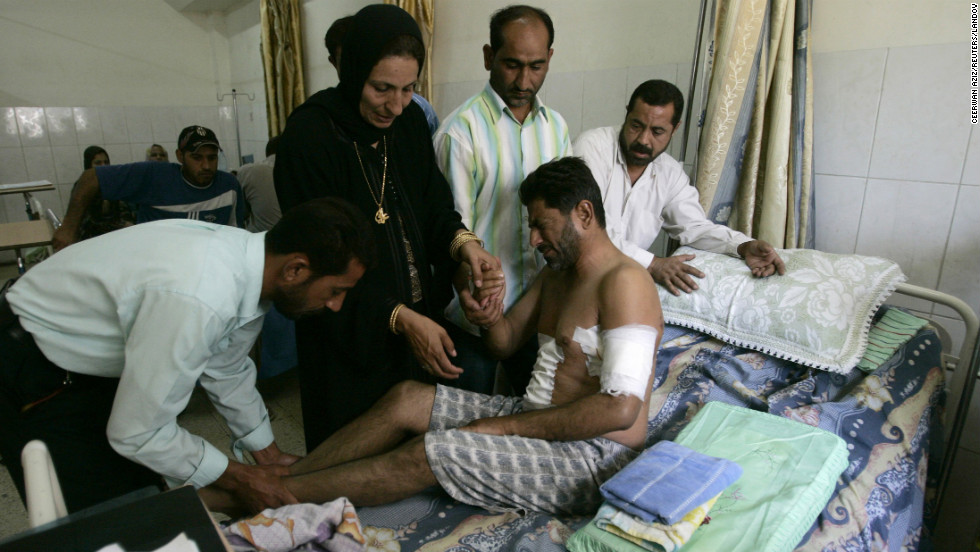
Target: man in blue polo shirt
194	189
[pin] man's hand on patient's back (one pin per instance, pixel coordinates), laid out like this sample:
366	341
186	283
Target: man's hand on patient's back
674	273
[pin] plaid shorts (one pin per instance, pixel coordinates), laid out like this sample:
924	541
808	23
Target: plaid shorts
511	473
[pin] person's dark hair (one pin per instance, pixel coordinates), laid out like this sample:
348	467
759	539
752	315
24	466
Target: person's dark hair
272	145
562	184
89	155
329	231
659	92
502	17
404	46
335	34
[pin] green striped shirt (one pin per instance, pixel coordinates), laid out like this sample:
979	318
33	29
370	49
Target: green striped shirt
485	154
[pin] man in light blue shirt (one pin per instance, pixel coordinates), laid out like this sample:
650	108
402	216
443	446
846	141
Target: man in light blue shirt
102	344
486	148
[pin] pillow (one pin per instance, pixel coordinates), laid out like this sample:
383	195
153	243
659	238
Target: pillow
818	314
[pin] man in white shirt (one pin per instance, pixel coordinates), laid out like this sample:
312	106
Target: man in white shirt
644	189
486	148
102	344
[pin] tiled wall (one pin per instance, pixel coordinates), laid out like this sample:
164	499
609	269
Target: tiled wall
47	143
897	167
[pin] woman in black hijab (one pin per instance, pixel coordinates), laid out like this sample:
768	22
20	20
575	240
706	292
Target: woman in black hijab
367	142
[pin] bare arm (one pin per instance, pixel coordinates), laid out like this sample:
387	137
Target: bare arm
85	192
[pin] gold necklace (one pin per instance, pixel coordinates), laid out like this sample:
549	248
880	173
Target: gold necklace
380	216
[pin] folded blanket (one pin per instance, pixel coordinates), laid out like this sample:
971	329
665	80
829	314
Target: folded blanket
592	539
332	527
791	471
893	330
667	481
656	537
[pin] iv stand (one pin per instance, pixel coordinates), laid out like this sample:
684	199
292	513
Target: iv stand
234	102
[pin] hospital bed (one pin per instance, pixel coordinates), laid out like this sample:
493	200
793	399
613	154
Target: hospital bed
901	423
900	416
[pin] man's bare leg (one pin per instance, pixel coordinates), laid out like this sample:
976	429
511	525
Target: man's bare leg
381	479
403	412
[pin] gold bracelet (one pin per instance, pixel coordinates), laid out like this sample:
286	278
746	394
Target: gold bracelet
459	241
394	318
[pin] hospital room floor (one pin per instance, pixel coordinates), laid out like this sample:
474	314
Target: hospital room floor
281	394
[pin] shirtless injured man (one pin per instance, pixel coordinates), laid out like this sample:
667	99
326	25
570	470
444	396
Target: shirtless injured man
584	417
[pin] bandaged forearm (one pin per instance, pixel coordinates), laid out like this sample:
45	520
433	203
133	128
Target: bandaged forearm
627	354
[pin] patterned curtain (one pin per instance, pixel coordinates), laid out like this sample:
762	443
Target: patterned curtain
422	12
754	170
282	60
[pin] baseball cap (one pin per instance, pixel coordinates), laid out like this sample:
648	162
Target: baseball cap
193	137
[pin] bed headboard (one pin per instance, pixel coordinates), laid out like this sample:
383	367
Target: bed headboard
961	370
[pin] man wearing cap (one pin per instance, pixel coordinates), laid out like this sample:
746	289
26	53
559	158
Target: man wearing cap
194	189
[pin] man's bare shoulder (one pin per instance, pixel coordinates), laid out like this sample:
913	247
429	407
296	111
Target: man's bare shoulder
628	295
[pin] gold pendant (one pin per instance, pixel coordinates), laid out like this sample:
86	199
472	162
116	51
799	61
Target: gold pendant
380	217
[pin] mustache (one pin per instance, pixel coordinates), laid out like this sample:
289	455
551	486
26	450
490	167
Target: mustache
640	148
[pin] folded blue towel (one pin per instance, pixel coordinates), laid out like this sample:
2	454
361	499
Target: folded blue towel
667	481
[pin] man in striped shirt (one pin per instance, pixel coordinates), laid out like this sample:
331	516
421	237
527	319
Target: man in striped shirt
486	148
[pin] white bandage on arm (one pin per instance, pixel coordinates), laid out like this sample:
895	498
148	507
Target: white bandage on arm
627	360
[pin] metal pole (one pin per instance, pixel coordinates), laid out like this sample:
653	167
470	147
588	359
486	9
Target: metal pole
693	82
238	134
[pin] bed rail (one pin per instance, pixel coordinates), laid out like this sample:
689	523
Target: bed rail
964	366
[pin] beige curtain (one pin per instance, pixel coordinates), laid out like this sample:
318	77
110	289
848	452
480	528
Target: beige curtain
755	163
422	12
282	60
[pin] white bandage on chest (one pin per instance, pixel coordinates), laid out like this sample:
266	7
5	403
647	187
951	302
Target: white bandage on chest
623	358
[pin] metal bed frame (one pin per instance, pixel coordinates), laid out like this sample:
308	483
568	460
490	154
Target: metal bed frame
961	371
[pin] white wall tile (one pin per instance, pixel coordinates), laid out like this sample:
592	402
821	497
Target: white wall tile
961	264
15	208
61	126
67	163
138	124
138	151
603	98
162	123
119	154
635	76
12	168
40	164
846	91
923	121
114	125
32	125
565	97
88	126
971	170
9	135
907	222
838	201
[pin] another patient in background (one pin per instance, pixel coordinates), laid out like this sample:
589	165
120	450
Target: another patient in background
102	216
157	153
260	191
